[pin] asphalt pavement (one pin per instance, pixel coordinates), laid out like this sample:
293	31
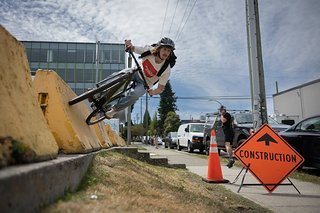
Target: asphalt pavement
285	198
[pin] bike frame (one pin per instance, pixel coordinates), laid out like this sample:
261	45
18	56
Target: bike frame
109	90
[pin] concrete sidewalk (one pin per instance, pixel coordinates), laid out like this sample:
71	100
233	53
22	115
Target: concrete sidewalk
283	199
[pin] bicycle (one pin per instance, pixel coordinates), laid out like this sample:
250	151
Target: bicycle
108	91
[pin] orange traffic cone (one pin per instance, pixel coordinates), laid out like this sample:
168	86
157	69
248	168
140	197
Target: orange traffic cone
214	167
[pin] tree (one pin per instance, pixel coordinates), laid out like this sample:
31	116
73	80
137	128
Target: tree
167	104
171	123
146	119
138	130
154	124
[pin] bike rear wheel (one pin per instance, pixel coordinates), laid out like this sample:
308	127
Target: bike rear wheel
109	83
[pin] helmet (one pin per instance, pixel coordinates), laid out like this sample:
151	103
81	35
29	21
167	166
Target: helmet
222	108
167	42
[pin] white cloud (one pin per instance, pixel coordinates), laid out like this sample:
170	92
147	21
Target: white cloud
211	49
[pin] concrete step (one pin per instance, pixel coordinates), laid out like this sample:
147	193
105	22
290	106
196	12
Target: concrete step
144	155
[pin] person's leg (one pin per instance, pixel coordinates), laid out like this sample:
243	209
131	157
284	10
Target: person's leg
156	142
131	98
229	150
128	100
230	153
228	144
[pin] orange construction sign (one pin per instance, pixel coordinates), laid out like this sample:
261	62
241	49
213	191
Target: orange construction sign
268	157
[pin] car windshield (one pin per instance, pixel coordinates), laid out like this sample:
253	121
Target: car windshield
272	121
196	127
310	125
243	118
210	119
174	134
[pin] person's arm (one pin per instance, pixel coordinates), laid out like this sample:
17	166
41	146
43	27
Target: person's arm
136	49
157	91
223	119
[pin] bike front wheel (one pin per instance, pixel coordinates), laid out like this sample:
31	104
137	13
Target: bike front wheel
95	116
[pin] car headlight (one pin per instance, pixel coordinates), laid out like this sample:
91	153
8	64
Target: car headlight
196	139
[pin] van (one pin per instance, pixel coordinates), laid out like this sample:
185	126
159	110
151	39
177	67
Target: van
190	136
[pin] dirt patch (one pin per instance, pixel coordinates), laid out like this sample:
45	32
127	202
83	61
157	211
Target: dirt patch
116	183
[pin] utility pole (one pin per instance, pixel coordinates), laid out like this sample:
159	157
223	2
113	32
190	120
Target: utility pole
258	94
129	110
97	74
145	114
141	116
97	61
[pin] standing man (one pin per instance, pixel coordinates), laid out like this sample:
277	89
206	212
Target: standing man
227	126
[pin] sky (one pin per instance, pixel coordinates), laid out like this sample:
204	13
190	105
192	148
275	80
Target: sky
210	37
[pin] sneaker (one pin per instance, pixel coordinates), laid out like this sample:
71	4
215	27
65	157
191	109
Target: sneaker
230	163
110	113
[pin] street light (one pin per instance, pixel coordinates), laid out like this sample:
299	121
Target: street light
216	101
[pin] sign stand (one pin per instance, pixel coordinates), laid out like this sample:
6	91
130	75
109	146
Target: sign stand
259	184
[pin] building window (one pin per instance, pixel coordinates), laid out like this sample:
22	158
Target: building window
70	75
35	52
54	48
122	54
115	56
80	57
79	75
29	52
71	56
90	53
88	76
49	56
62	54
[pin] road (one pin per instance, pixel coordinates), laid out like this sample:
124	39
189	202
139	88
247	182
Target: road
284	199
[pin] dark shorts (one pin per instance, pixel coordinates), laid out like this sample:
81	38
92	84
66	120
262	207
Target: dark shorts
228	135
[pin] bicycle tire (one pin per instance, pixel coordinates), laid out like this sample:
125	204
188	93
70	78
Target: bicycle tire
93	114
92	92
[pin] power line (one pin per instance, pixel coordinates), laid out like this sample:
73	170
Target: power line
210	98
184	15
164	19
186	20
174	14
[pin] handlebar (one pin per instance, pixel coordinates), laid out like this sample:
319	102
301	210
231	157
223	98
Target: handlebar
139	68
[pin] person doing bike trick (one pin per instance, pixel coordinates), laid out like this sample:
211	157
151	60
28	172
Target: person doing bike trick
157	61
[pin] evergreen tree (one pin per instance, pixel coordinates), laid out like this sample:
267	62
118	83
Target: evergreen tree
172	123
146	118
167	104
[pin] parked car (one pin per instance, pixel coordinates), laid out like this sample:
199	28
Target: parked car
190	136
304	137
243	122
278	127
159	140
171	140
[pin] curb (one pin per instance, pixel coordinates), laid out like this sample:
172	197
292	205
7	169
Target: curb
27	188
145	156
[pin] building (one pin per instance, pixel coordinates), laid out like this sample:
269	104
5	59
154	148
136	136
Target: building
76	62
298	102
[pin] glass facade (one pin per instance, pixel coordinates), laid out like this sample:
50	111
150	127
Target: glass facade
76	62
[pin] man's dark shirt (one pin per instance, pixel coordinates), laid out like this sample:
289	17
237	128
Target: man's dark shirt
228	124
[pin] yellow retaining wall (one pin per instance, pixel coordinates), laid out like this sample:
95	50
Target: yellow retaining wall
102	135
22	124
67	123
115	139
120	140
111	135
